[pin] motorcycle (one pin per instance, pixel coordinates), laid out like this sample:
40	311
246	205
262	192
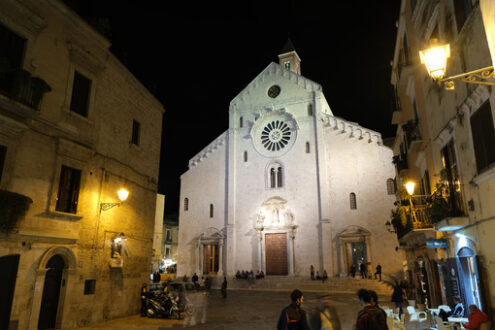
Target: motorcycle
162	305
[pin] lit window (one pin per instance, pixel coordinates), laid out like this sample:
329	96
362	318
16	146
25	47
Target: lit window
287	65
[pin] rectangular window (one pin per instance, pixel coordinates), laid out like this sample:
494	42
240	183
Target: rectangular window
136	127
68	190
169	235
3	154
245	156
287	65
11	54
89	286
80	94
211	210
483	137
167	252
449	162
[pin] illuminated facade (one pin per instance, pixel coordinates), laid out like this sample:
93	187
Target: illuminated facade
445	142
75	127
287	186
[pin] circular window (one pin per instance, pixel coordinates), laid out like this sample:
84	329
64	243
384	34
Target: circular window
274	91
276	135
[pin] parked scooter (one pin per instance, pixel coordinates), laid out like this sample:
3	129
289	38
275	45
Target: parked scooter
162	305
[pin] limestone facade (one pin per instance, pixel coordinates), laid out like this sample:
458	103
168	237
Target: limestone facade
445	143
69	163
273	192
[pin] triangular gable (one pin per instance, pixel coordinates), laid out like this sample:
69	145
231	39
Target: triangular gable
274	69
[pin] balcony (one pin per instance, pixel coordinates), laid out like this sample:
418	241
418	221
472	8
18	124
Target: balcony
441	211
413	135
400	162
19	86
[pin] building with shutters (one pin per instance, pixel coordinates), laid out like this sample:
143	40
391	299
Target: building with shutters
287	185
445	143
75	127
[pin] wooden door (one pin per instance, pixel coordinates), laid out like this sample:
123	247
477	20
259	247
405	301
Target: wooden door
51	293
276	254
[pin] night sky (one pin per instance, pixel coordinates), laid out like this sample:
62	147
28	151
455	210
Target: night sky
196	57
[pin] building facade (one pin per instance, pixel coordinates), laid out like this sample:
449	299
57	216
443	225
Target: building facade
75	127
445	143
287	186
170	246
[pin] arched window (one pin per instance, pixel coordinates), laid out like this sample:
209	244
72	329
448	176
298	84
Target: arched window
310	109
275	176
307	147
211	210
245	156
390	186
241	121
352	200
186	204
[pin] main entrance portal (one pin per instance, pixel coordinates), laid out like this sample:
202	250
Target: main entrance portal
276	254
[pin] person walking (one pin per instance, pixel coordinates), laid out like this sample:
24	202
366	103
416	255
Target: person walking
312	272
144	297
224	287
324	317
362	270
293	316
353	270
324	277
378	272
195	279
398	298
371	316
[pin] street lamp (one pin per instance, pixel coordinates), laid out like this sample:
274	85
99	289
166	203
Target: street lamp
435	60
410	191
122	194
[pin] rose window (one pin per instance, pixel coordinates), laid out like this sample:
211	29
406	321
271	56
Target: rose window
276	135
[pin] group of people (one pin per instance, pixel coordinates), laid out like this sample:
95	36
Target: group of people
204	283
317	276
249	275
364	272
371	316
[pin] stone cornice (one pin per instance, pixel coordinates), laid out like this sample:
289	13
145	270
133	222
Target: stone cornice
84	58
209	149
20	13
274	69
351	129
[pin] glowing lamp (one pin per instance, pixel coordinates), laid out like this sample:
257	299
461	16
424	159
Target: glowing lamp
410	187
123	194
435	59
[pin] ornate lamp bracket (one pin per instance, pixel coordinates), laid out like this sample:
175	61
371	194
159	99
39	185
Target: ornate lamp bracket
479	77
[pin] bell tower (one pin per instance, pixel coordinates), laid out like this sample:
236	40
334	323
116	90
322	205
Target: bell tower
289	59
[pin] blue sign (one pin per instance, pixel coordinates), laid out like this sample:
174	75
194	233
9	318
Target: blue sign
437	243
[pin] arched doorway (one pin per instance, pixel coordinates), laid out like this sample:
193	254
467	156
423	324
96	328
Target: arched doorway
469	277
355	249
8	275
51	293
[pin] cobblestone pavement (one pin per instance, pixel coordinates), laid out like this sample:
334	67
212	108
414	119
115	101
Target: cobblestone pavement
242	310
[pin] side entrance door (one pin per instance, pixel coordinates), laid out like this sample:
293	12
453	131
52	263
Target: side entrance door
276	254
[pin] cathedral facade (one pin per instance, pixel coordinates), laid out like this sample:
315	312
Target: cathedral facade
287	186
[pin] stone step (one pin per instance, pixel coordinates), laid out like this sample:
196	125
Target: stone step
341	285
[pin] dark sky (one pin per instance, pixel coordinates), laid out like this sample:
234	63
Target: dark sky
195	57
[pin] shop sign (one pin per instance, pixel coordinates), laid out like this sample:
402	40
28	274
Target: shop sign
437	243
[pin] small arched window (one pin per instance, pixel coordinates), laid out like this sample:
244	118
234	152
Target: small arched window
352	200
186	204
275	176
390	186
307	147
241	121
211	210
245	156
310	109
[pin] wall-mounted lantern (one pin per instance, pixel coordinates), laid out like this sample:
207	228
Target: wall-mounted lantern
122	194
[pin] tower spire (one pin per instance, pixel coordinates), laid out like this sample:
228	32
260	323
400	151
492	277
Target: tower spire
289	59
